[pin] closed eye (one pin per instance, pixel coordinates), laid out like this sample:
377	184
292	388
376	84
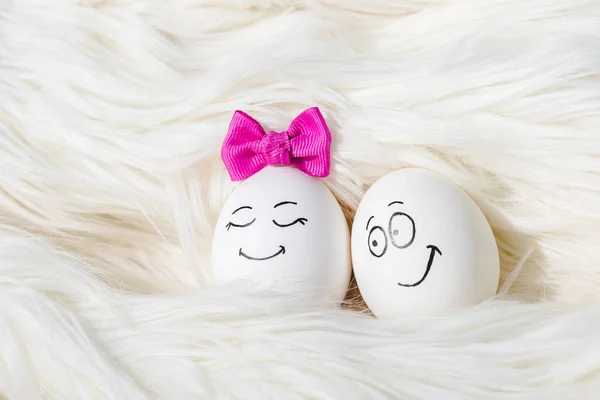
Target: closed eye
298	221
231	224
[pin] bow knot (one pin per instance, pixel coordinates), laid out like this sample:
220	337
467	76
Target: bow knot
305	145
276	148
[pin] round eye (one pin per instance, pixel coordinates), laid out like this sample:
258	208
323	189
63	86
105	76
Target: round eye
402	230
377	241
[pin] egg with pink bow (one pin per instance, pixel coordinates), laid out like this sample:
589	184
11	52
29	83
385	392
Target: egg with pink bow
281	228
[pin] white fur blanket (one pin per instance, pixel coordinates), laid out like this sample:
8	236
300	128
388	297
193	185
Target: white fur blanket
112	114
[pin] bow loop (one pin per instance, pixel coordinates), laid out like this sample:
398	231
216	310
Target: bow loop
306	145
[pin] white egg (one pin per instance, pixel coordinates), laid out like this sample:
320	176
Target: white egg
284	229
421	246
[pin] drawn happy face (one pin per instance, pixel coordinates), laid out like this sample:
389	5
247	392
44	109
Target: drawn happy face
283	228
421	246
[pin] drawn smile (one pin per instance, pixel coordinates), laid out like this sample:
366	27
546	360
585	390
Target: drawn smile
433	250
281	251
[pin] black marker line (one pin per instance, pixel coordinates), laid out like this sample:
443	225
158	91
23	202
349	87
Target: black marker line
231	224
395	202
369	222
434	250
373	229
414	230
241	208
301	220
285	202
281	251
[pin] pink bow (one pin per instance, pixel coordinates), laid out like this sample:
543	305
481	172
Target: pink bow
306	144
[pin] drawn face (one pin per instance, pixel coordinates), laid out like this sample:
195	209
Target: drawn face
421	246
281	248
284	228
400	231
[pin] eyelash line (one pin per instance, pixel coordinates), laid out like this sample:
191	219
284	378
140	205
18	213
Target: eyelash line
300	220
230	224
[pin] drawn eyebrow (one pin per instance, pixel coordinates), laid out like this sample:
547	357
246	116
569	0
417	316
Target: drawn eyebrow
285	202
395	202
241	208
369	222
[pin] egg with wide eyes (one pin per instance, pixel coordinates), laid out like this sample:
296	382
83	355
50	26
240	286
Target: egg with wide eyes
421	246
283	229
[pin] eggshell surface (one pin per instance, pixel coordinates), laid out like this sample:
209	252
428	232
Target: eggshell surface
421	247
283	229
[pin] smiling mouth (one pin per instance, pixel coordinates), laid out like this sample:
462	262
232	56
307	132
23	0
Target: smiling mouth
433	250
281	251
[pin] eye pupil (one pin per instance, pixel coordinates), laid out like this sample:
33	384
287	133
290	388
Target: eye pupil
395	232
374	243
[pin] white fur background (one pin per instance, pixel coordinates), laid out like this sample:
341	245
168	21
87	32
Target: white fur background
112	114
